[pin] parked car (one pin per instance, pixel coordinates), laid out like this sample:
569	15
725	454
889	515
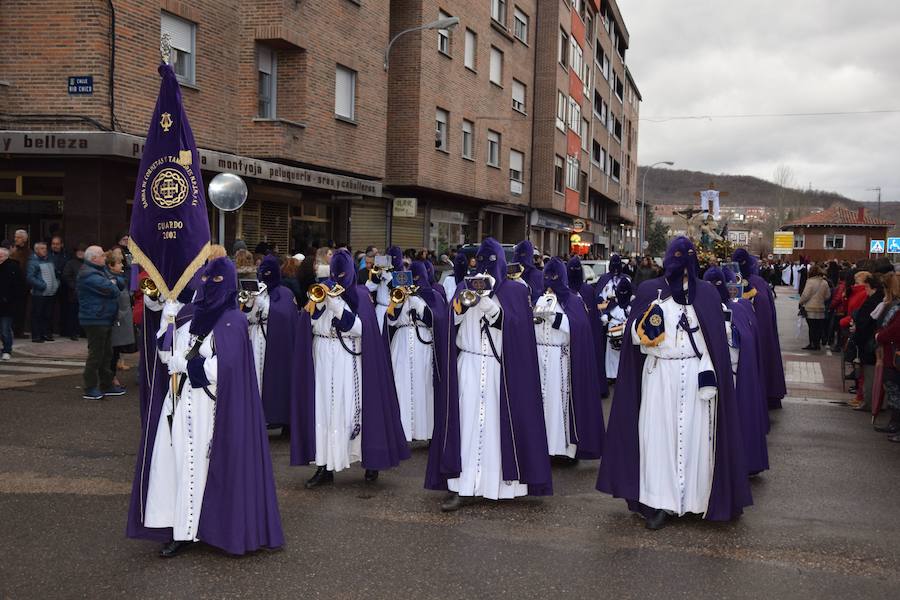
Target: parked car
594	270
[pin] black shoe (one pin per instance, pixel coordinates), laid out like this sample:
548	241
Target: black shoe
809	347
49	338
657	520
891	428
322	476
37	341
451	503
371	475
174	547
565	461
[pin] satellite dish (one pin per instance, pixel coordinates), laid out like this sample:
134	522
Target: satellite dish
227	192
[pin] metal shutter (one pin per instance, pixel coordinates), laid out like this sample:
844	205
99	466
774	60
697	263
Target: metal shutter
250	231
368	224
409	232
274	222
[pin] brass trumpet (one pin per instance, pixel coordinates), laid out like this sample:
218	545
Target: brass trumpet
317	292
400	294
149	289
469	298
243	299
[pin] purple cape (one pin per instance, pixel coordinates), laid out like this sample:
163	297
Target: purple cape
601	331
240	508
523	437
279	383
620	468
751	391
764	304
383	441
535	280
598	337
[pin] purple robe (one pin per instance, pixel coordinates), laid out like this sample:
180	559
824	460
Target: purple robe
523	436
383	440
524	254
751	390
598	331
620	467
279	382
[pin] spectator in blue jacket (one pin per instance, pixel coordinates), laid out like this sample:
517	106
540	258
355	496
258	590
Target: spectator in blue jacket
98	304
44	283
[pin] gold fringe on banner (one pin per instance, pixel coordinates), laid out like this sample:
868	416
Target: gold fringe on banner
144	261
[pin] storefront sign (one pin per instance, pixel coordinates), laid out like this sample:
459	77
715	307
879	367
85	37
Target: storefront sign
404	207
101	143
550	221
578	226
784	242
81	84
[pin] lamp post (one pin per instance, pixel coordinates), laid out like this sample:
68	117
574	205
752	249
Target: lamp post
447	23
643	204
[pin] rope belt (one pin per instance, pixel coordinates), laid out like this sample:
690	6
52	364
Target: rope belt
476	353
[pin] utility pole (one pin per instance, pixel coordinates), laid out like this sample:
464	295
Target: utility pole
878	190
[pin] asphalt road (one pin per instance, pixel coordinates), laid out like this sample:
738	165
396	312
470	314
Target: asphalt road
824	523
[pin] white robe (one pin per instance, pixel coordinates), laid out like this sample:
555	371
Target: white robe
413	364
450	287
677	419
556	389
382	296
338	390
609	290
479	411
180	460
258	318
612	318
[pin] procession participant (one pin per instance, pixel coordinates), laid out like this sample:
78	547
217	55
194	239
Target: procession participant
412	352
598	332
573	413
741	329
489	438
609	282
673	443
347	409
531	275
208	466
379	284
613	314
432	280
274	328
460	270
759	294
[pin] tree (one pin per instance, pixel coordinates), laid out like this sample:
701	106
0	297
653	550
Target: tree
657	239
785	180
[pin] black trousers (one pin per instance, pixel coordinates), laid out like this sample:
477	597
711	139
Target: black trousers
96	368
42	316
816	331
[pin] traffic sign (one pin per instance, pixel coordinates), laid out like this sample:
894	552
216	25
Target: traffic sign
893	245
784	242
876	247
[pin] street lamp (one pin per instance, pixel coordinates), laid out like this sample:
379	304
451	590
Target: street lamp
643	190
445	23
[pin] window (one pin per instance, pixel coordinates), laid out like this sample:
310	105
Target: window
574	114
518	95
596	153
572	171
602	61
617	130
558	169
583	188
799	241
496	66
516	170
471	48
345	93
576	58
561	102
563	50
266	64
604	160
520	25
586	79
498	11
585	127
834	241
616	170
182	37
493	148
443	36
468	140
598	103
588	27
442	117
618	88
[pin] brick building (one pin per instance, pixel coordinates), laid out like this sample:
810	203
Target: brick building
294	97
836	232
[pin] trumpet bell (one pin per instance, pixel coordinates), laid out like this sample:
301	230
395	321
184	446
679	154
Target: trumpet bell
317	292
468	298
149	289
399	295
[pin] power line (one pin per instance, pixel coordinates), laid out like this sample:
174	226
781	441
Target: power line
768	115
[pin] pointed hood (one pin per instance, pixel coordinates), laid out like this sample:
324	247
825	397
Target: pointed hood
269	272
556	278
396	255
717	277
615	264
491	260
460	266
681	262
748	263
216	294
524	254
576	274
624	292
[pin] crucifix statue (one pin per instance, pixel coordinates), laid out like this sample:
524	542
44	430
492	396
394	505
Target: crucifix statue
710	196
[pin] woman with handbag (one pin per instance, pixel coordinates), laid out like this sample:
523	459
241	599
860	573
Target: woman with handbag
888	339
812	302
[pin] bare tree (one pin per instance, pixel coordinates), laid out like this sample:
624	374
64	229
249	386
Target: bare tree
785	180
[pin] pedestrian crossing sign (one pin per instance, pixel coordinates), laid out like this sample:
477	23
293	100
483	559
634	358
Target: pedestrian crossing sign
876	247
893	245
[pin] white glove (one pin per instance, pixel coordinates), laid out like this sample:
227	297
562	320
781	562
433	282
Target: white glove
177	364
487	305
417	304
206	348
170	310
335	305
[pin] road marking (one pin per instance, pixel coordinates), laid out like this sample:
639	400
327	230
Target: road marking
816	401
17	360
797	371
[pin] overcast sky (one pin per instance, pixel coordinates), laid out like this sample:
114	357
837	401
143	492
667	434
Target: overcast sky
715	57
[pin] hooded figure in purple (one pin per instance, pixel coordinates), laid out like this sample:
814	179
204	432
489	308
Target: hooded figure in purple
347	410
570	385
380	285
460	270
531	275
742	332
758	293
598	338
215	483
489	439
613	314
274	331
673	443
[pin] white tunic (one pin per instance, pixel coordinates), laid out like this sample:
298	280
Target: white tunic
258	317
612	318
609	290
677	419
413	363
450	287
382	296
180	461
479	411
555	367
338	389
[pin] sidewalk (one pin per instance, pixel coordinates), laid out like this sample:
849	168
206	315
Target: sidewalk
32	362
60	348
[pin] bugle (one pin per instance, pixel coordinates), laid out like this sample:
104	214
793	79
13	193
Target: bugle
317	292
149	289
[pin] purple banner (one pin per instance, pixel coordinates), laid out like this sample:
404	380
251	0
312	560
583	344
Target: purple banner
169	224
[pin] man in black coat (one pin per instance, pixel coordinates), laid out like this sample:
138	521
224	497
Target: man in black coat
863	328
11	292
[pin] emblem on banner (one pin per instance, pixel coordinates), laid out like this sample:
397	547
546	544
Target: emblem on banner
169	188
165	122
